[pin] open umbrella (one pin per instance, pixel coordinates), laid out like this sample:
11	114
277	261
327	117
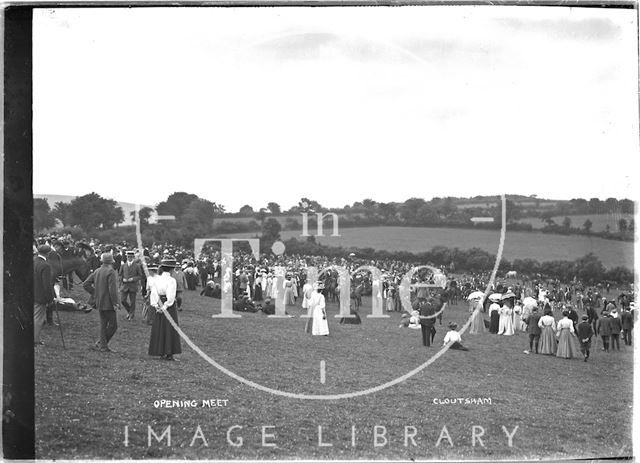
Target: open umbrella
529	302
475	295
495	297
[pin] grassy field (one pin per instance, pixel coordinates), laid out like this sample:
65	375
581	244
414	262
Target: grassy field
599	221
518	245
85	399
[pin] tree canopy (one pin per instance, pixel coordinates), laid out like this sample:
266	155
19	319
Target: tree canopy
89	212
43	216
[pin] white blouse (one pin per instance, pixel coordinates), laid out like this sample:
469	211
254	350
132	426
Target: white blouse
453	336
163	285
547	320
565	323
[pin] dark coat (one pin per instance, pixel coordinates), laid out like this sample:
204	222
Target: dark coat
103	285
93	262
627	321
603	327
42	282
616	325
426	308
133	270
532	324
584	331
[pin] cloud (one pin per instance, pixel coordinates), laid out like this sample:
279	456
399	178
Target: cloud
447	48
314	46
597	29
297	46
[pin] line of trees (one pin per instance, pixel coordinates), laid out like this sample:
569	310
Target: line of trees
89	212
194	216
588	269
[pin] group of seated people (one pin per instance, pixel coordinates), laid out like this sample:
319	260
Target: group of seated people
242	303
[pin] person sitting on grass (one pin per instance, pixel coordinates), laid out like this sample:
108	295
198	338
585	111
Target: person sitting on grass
211	290
411	321
268	307
453	337
244	304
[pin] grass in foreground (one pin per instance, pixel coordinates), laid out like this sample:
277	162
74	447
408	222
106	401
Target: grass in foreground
84	399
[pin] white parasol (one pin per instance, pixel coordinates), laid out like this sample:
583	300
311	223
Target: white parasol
475	295
495	297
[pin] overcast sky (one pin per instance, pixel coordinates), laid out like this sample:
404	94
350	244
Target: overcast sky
251	105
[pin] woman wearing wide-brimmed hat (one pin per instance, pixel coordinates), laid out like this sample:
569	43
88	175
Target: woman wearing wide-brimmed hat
506	314
165	340
477	320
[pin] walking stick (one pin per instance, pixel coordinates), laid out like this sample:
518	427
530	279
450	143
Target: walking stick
56	306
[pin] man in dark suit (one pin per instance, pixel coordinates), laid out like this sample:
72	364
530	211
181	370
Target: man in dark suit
616	328
427	320
103	285
573	316
130	274
534	330
603	329
627	325
43	293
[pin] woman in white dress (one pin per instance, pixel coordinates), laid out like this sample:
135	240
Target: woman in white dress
317	306
506	315
477	321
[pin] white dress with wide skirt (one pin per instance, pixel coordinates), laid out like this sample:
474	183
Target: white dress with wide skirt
317	305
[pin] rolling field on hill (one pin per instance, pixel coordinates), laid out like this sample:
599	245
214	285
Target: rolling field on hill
599	221
518	245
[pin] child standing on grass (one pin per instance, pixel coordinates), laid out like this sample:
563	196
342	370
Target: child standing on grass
585	333
454	337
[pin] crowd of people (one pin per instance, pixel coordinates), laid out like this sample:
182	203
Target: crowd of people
568	337
161	273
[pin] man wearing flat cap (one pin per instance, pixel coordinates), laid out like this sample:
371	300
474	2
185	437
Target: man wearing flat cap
103	285
43	294
130	274
585	333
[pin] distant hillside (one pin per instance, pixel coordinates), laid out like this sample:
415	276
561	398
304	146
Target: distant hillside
127	208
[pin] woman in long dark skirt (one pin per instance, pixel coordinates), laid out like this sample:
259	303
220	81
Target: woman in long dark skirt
494	314
165	340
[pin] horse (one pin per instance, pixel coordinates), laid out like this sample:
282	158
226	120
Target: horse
69	264
356	295
331	289
511	274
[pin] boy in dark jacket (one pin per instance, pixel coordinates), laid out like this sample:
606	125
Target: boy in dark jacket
534	330
584	332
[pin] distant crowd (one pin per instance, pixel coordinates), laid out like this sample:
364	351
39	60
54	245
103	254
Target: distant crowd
253	283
